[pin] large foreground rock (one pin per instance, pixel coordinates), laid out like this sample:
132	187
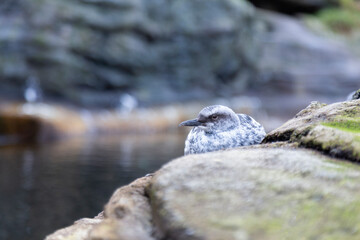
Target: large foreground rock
265	192
257	194
126	216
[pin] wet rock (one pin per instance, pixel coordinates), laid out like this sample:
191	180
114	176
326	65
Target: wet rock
127	216
38	122
333	129
273	193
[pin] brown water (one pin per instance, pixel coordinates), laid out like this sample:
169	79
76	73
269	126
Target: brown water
47	187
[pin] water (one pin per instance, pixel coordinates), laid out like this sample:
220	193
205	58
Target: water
47	187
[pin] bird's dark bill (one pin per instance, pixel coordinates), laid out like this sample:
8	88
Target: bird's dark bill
190	123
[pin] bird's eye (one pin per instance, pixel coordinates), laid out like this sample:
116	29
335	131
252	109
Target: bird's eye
214	117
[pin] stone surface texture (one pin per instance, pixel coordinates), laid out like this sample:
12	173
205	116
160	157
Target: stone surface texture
90	52
333	129
299	61
127	215
276	193
275	190
79	231
356	95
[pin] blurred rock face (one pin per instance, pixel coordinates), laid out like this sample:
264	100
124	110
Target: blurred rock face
294	59
91	51
149	47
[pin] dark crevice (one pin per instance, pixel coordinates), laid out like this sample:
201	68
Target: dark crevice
335	151
282	137
291	7
121	67
146	36
11	6
107	4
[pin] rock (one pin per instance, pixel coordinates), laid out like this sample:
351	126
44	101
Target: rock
38	122
296	60
271	191
294	6
143	47
276	193
80	230
354	95
127	216
333	129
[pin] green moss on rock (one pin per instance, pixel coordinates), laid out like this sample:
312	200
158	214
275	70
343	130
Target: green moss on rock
340	20
336	141
333	129
352	126
258	194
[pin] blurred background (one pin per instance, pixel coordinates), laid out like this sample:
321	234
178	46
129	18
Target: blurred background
92	91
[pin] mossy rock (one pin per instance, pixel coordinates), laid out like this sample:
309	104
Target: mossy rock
340	20
333	129
260	193
356	95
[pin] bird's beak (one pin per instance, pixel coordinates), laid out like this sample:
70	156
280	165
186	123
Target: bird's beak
190	123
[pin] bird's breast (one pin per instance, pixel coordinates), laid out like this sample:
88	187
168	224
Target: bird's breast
198	141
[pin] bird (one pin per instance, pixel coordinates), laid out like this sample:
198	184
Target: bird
218	127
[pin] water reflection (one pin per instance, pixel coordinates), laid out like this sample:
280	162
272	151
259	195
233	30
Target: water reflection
46	187
28	163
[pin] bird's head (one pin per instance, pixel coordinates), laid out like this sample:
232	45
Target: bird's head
216	118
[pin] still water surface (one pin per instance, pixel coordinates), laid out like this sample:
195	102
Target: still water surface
47	187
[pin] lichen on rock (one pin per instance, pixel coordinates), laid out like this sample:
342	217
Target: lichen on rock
257	194
333	129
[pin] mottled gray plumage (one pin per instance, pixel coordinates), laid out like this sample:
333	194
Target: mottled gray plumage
218	127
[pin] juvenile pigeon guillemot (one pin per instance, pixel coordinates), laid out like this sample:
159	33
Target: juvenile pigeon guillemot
218	127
